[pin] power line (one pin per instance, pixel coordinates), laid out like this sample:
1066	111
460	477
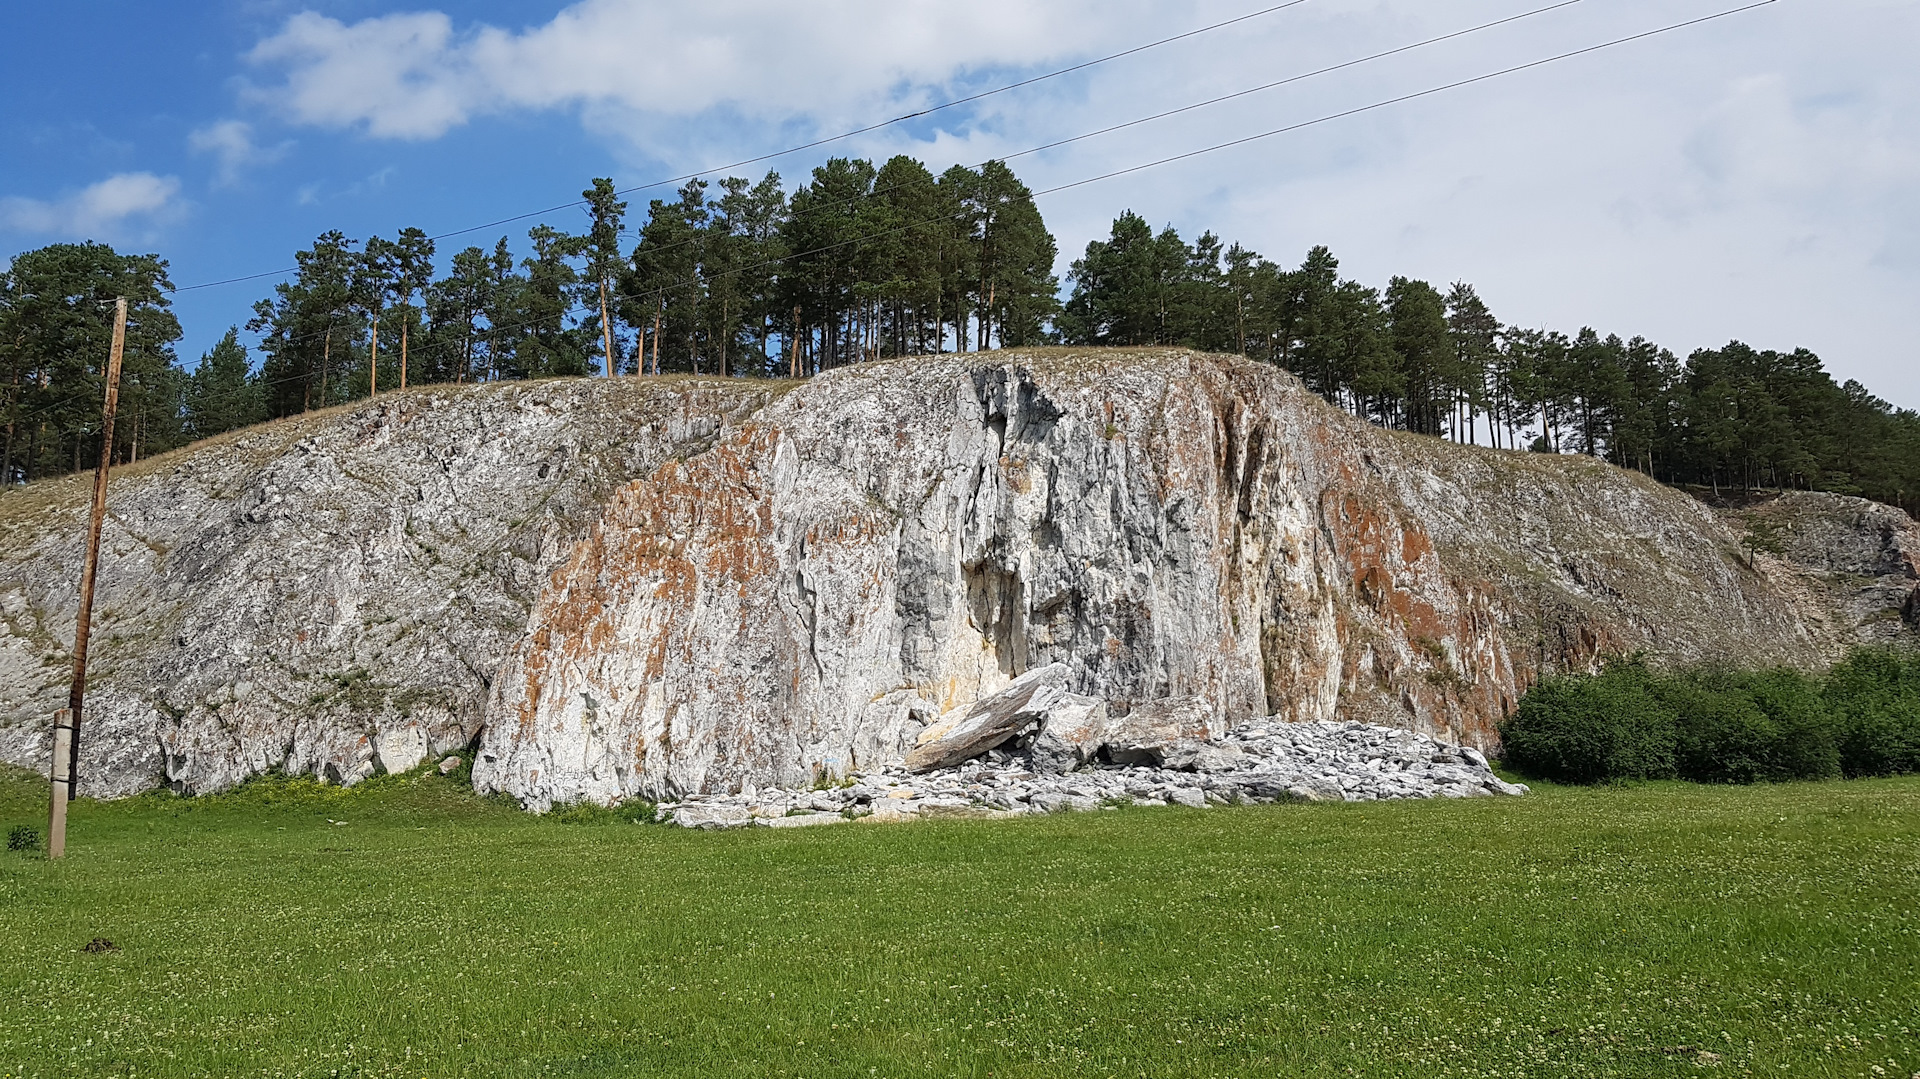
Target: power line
1290	80
1515	69
817	142
1407	97
836	204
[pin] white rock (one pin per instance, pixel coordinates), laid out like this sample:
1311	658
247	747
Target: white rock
711	815
1192	797
804	820
1071	733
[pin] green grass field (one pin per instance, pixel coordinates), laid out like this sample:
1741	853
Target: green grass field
1649	931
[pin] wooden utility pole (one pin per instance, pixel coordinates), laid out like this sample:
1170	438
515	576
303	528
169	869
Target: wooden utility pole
66	722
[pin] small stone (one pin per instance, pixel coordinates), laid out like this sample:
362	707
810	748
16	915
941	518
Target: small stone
448	764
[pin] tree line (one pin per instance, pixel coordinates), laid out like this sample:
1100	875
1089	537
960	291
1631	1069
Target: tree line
744	278
1437	361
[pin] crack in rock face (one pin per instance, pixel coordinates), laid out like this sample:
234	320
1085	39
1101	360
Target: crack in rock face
670	588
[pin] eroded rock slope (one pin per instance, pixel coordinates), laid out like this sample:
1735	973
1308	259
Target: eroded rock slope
659	588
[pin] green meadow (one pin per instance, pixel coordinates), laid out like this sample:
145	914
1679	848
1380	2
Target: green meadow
408	928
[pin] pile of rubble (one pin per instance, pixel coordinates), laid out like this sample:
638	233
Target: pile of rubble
1035	748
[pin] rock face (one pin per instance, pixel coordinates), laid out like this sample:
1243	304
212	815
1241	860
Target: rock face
1853	565
661	587
330	594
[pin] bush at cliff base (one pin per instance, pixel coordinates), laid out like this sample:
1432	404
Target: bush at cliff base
1719	725
1576	729
1876	696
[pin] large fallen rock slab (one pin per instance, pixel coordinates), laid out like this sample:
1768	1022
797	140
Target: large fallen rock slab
994	719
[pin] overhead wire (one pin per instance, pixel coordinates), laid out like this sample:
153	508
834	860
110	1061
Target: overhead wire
1082	66
1327	118
826	206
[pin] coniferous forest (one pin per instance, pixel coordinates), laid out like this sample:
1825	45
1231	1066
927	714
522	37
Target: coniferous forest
745	278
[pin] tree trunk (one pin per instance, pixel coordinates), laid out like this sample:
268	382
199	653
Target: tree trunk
6	458
404	320
373	362
606	328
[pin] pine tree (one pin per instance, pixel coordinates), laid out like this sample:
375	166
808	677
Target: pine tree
601	247
221	395
1475	336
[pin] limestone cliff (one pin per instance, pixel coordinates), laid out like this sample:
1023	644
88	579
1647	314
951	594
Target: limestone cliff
665	586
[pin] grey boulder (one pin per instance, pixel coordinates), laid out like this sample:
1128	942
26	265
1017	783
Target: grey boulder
1154	729
711	815
1070	735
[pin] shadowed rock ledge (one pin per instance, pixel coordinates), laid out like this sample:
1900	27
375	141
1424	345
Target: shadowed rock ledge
663	587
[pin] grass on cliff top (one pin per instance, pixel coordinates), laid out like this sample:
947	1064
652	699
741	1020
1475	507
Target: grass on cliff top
407	928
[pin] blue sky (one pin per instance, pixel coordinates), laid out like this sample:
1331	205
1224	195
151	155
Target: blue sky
1751	178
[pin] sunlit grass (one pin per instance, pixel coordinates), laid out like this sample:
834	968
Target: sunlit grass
1650	931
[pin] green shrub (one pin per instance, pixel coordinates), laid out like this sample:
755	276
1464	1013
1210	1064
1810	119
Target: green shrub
1875	696
23	837
632	812
1749	726
1719	725
1592	728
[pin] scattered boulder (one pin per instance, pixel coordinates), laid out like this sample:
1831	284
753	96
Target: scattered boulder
1261	762
992	720
1191	756
711	815
1153	729
1191	797
803	820
448	765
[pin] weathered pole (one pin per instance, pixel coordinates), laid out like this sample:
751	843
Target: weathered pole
65	773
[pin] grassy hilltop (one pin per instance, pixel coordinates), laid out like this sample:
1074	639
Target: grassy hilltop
405	928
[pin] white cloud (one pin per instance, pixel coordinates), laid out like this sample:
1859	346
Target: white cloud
232	146
98	210
1748	178
414	76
